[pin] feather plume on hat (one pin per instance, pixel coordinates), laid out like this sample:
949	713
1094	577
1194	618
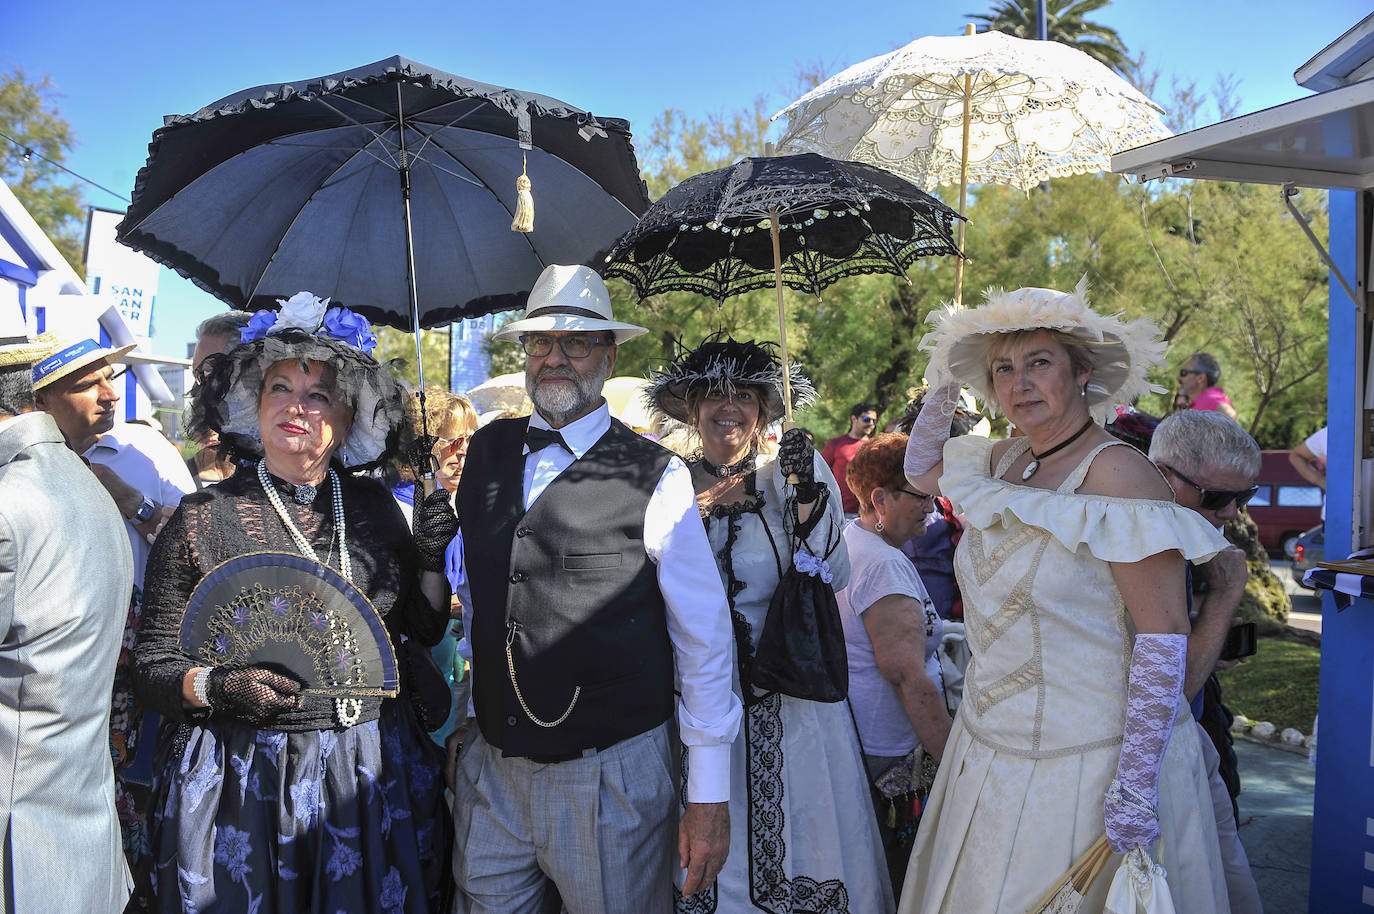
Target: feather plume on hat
721	364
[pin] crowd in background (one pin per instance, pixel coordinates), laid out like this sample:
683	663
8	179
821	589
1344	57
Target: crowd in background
1009	643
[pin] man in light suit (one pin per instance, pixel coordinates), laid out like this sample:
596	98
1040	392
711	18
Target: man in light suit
66	569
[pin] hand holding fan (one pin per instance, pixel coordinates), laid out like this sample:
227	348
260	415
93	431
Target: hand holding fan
287	612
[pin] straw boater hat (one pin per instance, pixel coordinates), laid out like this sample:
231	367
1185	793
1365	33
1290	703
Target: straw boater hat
1122	352
69	358
226	399
20	352
568	298
721	365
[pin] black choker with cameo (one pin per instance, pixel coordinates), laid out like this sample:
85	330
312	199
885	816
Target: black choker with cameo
730	470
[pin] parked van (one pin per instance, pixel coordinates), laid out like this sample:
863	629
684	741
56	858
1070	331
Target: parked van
1285	506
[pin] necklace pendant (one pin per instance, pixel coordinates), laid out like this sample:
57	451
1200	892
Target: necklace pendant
305	494
1030	469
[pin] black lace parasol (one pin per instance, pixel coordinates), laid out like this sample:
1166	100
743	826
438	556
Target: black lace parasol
711	234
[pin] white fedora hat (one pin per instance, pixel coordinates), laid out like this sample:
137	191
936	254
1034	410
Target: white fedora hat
568	298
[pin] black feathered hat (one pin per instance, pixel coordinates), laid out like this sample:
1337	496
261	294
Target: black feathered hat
721	364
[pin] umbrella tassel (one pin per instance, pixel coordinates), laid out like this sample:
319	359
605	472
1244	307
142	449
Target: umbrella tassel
524	203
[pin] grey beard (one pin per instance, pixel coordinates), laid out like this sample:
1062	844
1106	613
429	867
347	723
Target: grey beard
561	405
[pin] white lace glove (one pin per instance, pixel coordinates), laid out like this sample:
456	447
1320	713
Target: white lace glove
1131	809
926	446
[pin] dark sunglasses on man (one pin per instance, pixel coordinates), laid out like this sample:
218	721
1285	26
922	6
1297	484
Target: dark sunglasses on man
1216	499
868	420
577	346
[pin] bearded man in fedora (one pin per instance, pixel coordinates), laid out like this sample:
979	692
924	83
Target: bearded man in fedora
592	595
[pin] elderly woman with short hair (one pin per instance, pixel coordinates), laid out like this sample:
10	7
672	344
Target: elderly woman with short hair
891	635
1072	571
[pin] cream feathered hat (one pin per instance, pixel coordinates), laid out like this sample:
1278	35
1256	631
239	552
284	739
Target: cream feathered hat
961	342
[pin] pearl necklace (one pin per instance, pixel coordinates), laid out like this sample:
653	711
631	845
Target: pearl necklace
349	710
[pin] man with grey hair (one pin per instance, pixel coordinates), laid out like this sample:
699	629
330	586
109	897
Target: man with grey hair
218	333
1200	381
596	612
1211	463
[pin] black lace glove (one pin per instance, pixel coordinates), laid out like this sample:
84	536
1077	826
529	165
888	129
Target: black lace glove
252	694
435	525
796	458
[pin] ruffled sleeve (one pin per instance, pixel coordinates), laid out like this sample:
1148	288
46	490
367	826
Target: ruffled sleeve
1111	529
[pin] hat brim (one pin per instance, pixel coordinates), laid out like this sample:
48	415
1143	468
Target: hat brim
84	362
510	333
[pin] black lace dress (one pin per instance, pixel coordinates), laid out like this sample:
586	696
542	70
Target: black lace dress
310	816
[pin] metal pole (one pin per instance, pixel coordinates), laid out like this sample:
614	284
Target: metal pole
410	239
428	481
1042	26
963	182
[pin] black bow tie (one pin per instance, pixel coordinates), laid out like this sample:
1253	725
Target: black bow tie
536	439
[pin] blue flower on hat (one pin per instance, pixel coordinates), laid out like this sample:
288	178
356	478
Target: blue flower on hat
349	327
258	325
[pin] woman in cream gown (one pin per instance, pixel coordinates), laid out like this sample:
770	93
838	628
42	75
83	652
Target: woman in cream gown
1073	580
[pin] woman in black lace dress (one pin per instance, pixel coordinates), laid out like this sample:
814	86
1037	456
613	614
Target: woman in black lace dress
268	798
802	832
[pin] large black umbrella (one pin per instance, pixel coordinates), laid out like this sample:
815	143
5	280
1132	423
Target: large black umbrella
316	185
801	221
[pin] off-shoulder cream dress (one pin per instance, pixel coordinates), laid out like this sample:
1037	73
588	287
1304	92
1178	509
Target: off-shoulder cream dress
1035	743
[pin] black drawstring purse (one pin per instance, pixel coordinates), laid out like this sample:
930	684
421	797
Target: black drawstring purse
801	649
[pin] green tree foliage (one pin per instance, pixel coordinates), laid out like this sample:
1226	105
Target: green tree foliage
1067	23
1220	268
29	116
395	345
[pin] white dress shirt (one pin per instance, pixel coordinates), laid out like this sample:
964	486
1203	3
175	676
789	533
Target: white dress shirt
148	462
698	615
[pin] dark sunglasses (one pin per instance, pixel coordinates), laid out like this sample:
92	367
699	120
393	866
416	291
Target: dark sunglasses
1216	499
1184	372
867	419
919	495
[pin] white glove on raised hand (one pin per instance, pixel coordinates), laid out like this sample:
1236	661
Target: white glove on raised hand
926	446
1131	809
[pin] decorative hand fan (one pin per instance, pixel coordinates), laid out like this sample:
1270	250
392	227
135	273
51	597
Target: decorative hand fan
288	612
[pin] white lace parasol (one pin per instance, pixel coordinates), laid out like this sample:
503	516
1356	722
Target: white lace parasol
1038	109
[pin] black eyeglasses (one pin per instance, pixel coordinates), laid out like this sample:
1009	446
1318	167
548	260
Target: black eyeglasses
1184	372
1216	499
920	495
574	347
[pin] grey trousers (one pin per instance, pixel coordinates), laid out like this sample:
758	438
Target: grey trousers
601	829
1240	882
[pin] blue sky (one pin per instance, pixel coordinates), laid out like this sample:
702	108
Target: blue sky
120	66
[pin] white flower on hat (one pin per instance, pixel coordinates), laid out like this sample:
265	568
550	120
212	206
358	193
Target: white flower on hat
301	310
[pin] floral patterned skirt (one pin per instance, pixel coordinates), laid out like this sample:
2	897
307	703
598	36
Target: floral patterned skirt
266	822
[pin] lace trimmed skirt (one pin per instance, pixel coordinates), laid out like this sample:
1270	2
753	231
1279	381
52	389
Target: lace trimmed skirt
262	821
803	837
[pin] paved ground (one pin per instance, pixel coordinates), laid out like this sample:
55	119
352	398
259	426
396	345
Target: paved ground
1276	824
1276	796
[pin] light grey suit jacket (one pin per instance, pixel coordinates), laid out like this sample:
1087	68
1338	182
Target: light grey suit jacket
65	577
